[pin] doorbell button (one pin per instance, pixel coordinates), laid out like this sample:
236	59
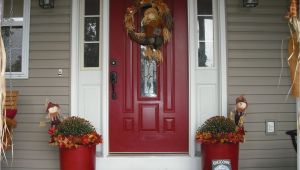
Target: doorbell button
113	62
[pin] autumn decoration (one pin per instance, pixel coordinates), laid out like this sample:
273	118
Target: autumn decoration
155	28
239	113
293	47
8	107
3	125
73	132
76	138
220	136
220	129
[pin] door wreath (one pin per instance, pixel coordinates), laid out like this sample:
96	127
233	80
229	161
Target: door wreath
156	26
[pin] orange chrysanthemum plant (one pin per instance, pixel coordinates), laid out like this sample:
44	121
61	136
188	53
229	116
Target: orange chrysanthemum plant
220	129
73	132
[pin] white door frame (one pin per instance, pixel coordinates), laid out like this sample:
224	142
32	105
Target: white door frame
104	157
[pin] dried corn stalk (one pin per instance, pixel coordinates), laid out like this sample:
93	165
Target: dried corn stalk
3	126
294	44
293	62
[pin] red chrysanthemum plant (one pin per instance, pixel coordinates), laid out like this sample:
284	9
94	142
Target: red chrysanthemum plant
220	129
73	132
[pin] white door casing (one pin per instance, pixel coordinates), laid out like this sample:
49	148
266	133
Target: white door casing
90	97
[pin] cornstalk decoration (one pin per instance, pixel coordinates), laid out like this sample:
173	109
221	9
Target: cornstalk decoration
293	48
3	125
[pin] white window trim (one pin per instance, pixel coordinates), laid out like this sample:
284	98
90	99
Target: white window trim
25	44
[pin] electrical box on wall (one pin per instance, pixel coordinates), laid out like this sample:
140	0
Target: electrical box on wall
59	72
271	126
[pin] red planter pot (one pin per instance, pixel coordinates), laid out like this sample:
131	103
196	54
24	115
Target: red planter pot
81	158
219	152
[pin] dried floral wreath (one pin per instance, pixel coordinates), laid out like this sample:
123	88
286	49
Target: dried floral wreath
156	26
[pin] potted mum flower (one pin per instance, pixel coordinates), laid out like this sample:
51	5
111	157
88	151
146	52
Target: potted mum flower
220	137
77	140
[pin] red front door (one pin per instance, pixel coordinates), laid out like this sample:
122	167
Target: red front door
149	104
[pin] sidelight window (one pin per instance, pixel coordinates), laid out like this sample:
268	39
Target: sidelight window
206	33
91	34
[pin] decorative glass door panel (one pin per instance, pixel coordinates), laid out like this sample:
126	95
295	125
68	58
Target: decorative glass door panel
149	80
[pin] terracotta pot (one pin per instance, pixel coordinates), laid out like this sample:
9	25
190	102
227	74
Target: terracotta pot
219	152
81	158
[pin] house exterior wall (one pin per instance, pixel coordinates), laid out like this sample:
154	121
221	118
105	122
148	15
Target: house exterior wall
49	51
254	66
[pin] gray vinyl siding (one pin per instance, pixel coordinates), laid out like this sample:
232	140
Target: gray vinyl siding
254	39
49	51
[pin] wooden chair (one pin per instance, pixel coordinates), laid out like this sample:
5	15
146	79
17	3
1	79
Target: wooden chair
11	99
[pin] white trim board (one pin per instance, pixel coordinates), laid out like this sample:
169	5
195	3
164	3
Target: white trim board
192	53
74	57
223	57
105	78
